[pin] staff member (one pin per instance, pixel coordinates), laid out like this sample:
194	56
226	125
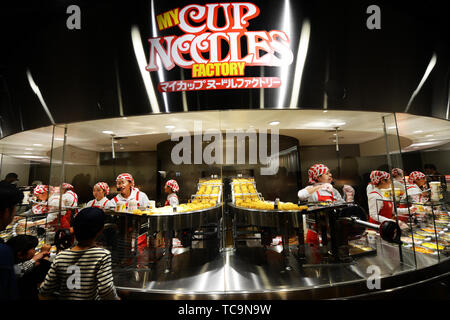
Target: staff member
100	191
417	180
69	198
125	185
380	209
322	191
49	205
41	194
398	178
171	188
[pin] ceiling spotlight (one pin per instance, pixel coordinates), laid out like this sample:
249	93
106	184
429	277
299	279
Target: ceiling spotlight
107	132
274	123
170	127
418	131
37	144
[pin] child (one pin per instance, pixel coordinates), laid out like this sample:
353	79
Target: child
100	191
171	188
92	264
30	268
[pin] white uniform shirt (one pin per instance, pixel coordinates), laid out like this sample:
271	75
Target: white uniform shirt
69	199
369	189
53	206
135	194
375	205
415	193
173	199
104	203
304	194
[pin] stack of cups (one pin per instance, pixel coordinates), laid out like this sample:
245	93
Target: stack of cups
435	187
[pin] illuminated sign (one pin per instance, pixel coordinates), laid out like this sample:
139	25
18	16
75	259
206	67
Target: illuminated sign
200	47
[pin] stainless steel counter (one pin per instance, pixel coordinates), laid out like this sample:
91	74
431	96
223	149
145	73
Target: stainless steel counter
252	272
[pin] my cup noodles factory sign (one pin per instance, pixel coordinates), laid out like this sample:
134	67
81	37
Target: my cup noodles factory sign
200	47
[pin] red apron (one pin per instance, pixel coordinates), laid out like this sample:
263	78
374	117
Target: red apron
385	211
92	205
167	203
311	235
137	199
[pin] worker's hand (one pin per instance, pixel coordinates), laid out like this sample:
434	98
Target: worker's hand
403	225
312	189
327	187
349	193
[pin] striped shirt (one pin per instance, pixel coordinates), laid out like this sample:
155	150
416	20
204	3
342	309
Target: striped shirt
95	280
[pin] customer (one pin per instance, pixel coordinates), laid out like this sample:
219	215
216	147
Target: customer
91	263
10	196
30	268
11	178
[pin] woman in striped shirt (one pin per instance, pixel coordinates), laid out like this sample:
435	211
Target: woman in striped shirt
83	272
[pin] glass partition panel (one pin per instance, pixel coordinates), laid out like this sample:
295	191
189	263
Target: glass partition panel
426	196
25	162
164	194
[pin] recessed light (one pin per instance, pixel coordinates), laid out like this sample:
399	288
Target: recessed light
124	118
59	139
274	123
325	111
339	123
418	131
170	127
28	153
429	135
107	132
37	144
28	148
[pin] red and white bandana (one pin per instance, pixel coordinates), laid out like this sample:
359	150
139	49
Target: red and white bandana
377	176
127	177
415	175
67	186
316	171
40	189
104	186
172	184
397	172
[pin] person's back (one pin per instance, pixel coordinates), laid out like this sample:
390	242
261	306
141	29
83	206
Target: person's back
83	272
81	275
9	198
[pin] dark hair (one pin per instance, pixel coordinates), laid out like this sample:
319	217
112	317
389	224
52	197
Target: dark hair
88	223
429	166
12	175
22	243
9	196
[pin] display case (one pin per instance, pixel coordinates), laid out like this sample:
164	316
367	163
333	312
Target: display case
236	230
